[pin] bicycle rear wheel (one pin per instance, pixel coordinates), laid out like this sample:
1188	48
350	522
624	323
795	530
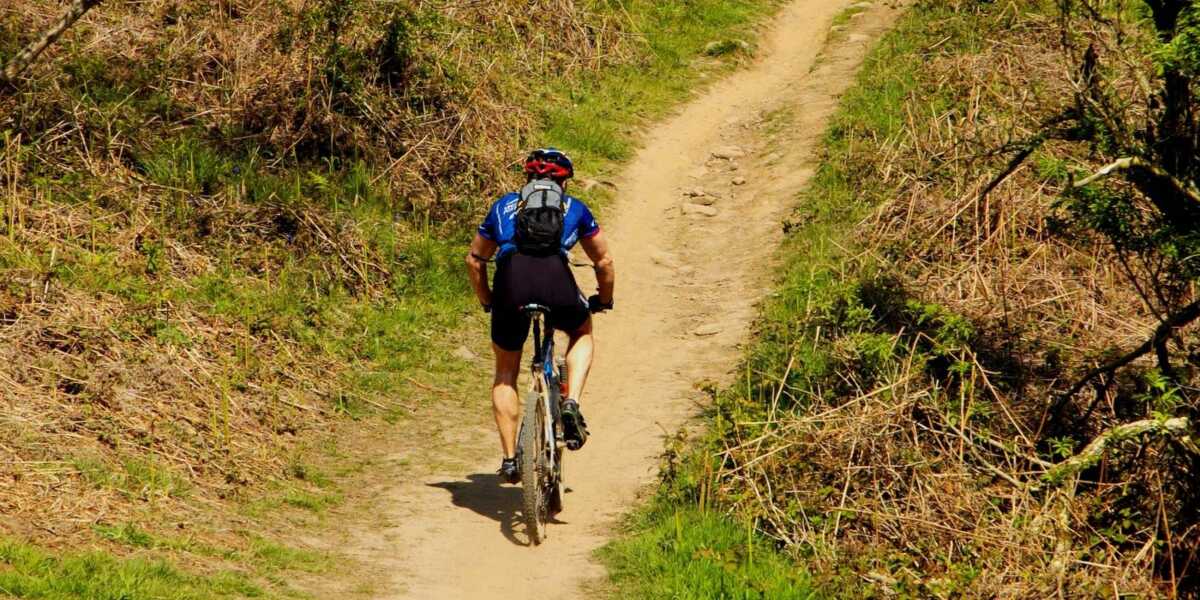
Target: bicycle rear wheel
535	472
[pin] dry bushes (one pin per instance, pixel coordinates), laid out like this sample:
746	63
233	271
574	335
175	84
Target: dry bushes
115	398
900	431
201	198
431	93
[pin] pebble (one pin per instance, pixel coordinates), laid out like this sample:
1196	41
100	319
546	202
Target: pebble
858	37
661	258
465	353
695	193
706	330
698	209
728	152
588	184
739	181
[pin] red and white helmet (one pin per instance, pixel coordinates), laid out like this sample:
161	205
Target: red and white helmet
549	162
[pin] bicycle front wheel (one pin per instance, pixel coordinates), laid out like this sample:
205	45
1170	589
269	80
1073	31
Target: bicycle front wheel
535	472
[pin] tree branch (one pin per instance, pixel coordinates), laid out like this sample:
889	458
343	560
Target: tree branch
1049	130
1163	332
21	61
1140	168
1178	428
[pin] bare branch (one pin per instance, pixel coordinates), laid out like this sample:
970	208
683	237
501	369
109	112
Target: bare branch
1141	168
1185	315
21	61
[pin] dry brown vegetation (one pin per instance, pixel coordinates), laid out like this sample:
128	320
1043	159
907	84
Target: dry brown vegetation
205	203
912	430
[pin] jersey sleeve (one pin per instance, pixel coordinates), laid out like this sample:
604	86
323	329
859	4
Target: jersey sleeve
490	228
588	227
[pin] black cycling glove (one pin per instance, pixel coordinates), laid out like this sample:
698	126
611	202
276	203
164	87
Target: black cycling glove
596	306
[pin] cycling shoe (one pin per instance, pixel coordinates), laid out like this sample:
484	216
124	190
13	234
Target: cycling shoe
509	471
575	431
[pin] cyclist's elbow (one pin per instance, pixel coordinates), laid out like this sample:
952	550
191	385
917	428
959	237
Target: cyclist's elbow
473	262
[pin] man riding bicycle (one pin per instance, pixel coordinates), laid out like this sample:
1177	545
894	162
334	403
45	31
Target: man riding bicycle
529	234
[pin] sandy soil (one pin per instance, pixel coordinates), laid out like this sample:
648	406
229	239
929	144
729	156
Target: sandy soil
688	284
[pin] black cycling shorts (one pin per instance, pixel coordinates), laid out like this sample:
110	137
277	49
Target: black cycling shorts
545	280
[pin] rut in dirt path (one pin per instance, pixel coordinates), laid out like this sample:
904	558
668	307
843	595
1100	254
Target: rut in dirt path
693	231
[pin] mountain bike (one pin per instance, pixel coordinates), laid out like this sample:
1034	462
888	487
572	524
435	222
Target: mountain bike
540	441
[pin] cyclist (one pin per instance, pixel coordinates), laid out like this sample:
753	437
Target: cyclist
522	278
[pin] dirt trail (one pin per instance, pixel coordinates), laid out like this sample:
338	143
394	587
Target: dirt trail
687	289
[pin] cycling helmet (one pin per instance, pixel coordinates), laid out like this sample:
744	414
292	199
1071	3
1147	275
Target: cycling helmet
549	162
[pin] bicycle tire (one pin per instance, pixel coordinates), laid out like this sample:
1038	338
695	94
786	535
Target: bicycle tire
555	501
533	469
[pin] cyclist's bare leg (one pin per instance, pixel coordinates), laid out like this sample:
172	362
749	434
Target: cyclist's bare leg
579	358
506	405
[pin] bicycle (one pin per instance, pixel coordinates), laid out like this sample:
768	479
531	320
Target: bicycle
540	440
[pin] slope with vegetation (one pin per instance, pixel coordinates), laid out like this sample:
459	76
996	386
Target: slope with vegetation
228	226
978	375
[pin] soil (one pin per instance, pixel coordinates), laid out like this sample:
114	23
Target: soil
694	231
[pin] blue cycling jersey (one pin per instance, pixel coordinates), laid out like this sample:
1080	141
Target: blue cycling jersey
501	223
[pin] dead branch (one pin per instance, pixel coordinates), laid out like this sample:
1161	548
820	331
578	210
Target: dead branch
17	64
1048	131
1140	168
1163	332
1178	428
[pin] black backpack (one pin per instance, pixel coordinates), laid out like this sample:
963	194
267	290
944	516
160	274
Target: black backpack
540	218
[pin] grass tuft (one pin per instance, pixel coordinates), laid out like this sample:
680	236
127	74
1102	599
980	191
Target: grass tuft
686	554
29	572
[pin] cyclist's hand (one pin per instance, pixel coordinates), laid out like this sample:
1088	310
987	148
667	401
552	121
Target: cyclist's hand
596	306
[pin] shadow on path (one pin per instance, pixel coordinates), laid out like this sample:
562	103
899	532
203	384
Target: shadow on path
483	494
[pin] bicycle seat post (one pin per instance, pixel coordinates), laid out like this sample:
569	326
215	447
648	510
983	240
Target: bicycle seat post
537	313
537	339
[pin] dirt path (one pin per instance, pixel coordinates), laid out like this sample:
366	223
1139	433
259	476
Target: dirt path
687	289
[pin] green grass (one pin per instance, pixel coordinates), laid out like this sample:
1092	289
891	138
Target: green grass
264	555
685	554
137	477
29	572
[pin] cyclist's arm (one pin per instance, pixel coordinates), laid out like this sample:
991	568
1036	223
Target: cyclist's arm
596	248
481	249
